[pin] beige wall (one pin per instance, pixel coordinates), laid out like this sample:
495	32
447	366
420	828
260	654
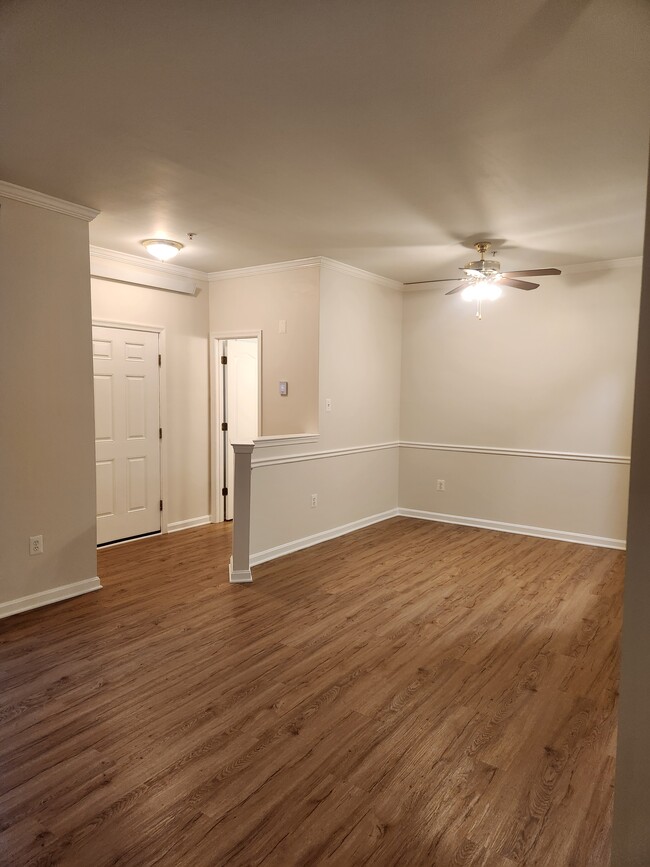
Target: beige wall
257	303
360	349
550	370
631	837
47	467
187	444
360	362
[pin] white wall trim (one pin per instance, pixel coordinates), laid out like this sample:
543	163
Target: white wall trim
176	526
319	261
49	203
138	271
519	529
445	447
521	453
285	440
47	597
129	326
239	576
147	262
317	538
317	456
353	271
270	268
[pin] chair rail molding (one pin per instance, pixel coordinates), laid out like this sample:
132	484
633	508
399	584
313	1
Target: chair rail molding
520	453
320	455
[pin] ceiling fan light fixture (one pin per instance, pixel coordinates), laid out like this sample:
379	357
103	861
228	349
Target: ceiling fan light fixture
482	290
162	248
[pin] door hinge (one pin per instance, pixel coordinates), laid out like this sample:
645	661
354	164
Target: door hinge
224	359
159	433
224	492
161	505
159	360
224	425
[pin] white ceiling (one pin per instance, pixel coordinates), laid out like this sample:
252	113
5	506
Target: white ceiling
383	133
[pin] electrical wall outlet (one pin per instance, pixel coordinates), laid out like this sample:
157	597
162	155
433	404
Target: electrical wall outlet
36	544
282	326
440	485
314	500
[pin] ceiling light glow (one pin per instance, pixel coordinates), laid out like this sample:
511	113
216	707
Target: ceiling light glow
481	290
161	248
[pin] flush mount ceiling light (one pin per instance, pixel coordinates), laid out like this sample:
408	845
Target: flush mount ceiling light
161	248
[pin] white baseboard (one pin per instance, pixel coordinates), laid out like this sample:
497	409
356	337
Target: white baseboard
317	538
47	597
520	529
239	576
500	526
175	526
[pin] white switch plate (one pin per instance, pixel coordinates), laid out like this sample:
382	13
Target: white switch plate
284	388
282	326
440	485
36	544
328	404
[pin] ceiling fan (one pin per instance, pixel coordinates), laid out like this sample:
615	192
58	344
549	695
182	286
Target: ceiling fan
484	278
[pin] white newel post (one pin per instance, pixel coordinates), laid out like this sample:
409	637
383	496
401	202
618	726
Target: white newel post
240	567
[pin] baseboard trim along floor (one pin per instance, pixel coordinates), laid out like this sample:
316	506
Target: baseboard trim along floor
460	520
47	597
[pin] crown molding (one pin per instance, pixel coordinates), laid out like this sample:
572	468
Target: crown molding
147	262
270	268
49	203
353	271
139	271
293	264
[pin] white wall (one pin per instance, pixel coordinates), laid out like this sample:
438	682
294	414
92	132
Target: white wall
185	319
546	371
47	466
360	349
257	301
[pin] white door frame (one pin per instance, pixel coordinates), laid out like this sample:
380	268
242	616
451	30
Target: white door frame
162	400
216	412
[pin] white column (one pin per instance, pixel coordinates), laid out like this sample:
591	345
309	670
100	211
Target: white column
240	567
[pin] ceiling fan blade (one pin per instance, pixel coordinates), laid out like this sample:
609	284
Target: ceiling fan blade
458	288
517	284
536	272
443	280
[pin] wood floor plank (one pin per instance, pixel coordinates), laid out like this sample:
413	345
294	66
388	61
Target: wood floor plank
413	693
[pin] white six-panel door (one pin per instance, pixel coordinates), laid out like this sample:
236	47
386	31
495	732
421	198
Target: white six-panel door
127	444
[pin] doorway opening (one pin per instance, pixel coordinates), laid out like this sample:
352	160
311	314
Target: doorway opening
237	416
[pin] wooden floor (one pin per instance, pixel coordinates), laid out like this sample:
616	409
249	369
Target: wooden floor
411	694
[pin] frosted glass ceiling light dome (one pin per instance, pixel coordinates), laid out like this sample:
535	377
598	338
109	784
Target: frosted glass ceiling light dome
161	248
482	290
